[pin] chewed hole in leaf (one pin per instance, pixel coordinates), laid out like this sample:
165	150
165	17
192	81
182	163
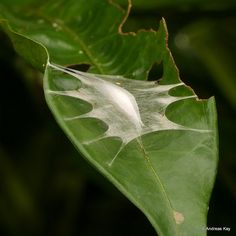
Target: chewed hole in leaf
156	72
79	67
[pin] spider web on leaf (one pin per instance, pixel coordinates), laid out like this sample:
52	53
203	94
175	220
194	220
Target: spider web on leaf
129	108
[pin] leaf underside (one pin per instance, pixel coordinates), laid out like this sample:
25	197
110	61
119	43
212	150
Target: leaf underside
155	141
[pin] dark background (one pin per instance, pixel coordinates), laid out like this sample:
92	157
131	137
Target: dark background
46	188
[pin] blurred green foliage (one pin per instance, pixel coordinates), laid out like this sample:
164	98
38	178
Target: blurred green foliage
47	190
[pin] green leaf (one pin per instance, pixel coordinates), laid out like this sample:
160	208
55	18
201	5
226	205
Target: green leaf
135	134
154	140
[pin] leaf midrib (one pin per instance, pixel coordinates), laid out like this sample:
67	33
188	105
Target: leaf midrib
158	180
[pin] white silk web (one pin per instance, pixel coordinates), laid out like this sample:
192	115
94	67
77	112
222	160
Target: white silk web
130	108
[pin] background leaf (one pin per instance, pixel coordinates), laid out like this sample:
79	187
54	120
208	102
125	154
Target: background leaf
181	4
72	37
100	65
